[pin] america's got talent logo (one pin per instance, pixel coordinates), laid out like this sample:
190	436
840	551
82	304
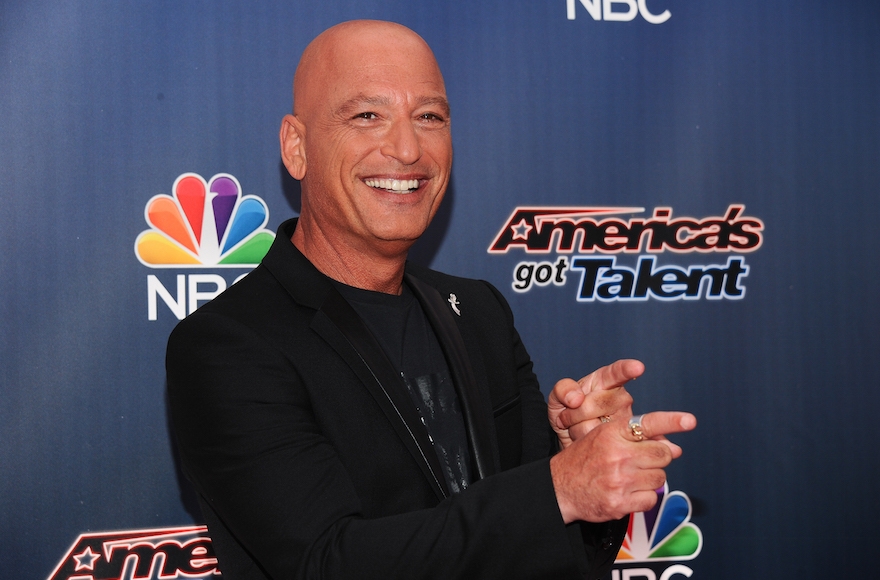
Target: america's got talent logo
589	242
154	554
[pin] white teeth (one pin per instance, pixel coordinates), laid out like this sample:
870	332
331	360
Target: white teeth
393	184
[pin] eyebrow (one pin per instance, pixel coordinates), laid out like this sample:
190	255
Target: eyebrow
362	100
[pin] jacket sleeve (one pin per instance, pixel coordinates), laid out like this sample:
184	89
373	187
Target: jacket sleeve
594	544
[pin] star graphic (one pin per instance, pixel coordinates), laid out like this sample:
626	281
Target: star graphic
86	559
521	230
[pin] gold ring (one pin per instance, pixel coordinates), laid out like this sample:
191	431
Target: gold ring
635	427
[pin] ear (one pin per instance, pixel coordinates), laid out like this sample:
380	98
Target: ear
293	148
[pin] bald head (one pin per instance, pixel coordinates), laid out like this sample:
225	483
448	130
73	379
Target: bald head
354	46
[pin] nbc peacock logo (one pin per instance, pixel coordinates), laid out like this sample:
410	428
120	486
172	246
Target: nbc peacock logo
204	224
663	533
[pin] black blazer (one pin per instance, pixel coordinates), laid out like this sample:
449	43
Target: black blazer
310	460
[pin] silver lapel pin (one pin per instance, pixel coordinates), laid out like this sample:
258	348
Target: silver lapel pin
453	301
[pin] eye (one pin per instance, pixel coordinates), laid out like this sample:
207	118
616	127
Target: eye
431	117
366	115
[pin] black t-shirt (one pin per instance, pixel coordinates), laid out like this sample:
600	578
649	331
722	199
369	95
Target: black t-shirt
402	329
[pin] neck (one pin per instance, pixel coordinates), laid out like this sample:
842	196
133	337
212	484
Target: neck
363	266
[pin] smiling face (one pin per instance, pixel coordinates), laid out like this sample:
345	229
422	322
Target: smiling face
373	136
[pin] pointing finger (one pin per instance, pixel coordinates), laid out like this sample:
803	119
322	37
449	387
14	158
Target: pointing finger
613	375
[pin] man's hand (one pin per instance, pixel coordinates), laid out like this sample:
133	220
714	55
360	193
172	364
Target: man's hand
574	408
610	472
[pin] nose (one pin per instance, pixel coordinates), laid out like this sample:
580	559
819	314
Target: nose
402	142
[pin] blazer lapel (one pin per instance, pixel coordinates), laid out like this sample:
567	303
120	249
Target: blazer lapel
341	327
384	384
475	405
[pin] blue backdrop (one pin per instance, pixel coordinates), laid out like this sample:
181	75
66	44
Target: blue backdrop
574	104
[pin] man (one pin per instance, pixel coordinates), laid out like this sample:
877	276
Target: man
345	414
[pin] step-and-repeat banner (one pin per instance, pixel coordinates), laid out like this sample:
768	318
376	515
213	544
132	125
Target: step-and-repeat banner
694	184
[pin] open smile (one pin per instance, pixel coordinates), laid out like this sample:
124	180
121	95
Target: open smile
394	185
